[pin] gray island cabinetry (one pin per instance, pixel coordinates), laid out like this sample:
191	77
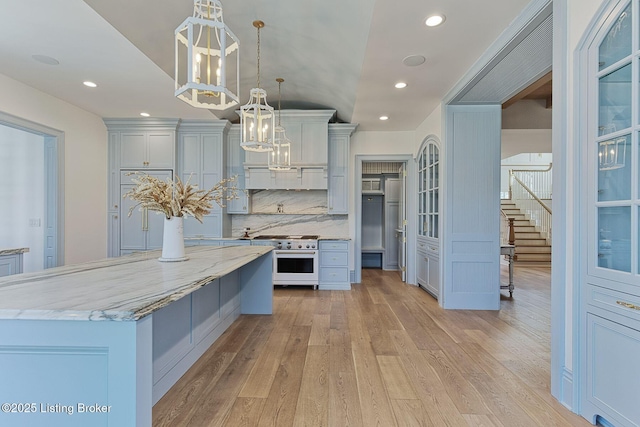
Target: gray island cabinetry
100	343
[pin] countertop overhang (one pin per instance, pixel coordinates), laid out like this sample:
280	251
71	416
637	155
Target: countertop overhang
13	251
121	289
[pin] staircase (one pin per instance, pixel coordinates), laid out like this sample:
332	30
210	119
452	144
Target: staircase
531	247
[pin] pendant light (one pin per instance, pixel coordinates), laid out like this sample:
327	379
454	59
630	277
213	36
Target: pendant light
280	157
207	62
256	117
612	154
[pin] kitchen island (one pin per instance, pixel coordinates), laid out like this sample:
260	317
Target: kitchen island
99	343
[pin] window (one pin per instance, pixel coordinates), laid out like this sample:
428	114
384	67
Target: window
428	186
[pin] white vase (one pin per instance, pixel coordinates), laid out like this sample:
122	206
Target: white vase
173	240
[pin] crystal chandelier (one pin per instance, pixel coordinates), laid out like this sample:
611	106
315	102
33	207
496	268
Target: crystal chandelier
280	157
207	59
256	117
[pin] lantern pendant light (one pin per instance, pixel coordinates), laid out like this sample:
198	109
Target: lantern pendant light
280	157
257	121
207	59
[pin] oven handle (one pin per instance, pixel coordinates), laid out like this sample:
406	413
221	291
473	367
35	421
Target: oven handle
295	252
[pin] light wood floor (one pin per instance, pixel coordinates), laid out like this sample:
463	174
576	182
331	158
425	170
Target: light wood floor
383	354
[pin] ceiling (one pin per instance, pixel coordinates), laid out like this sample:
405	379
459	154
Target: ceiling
337	54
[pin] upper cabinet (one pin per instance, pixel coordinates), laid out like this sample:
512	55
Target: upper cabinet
338	167
202	161
235	162
135	144
144	143
308	131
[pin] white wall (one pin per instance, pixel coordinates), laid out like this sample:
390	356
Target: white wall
85	161
22	194
432	125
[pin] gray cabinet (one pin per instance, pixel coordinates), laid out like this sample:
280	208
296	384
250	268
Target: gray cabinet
428	265
202	160
135	144
147	149
10	264
142	230
334	265
308	132
235	162
338	168
428	246
609	276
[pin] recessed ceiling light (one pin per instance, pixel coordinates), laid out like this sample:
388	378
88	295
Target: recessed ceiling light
384	117
413	60
401	85
434	20
46	59
145	114
89	84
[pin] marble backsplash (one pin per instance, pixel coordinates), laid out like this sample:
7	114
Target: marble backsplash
289	202
289	212
322	224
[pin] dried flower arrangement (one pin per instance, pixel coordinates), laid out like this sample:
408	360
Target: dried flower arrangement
175	198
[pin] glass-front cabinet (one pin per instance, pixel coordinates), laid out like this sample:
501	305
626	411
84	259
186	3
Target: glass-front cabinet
610	291
613	152
428	252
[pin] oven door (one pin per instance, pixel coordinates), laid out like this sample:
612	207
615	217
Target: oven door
295	267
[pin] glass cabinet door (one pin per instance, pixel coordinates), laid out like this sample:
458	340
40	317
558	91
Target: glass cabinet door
428	189
614	151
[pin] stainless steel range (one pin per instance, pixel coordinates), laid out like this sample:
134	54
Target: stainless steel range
295	259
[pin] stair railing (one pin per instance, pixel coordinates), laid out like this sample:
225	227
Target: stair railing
528	202
537	180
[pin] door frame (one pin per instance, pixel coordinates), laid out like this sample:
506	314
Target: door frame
53	148
409	161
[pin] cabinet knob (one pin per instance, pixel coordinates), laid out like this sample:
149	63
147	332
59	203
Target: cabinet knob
115	206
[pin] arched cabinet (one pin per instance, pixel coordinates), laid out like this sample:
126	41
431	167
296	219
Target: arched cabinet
609	286
428	246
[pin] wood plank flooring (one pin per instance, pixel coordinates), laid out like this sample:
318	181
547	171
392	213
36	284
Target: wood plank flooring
383	354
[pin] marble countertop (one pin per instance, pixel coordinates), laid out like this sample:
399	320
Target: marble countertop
333	238
14	251
124	288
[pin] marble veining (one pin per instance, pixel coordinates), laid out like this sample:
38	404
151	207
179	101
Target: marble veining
124	288
14	251
289	202
290	224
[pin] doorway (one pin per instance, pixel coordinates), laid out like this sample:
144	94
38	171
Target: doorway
32	172
380	233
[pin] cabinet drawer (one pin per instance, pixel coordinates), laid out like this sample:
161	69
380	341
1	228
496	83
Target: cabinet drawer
333	259
618	302
337	274
334	246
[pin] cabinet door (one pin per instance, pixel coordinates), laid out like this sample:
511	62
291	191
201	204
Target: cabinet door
132	227
433	275
338	193
133	150
142	230
9	265
422	270
161	149
235	160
